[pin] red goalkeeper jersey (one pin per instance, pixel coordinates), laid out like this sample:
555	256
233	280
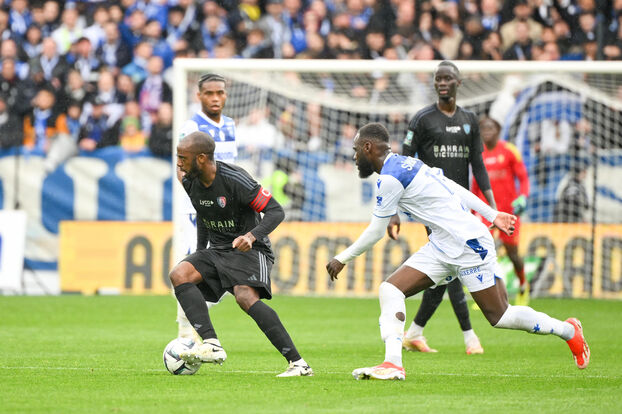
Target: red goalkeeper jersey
504	165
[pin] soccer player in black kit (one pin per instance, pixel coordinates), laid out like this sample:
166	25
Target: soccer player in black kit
445	136
239	258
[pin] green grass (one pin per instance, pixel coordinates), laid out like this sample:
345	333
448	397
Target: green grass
73	354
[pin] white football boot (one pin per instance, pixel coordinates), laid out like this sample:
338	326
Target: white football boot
210	351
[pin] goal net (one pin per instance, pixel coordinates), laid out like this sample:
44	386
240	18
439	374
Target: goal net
296	119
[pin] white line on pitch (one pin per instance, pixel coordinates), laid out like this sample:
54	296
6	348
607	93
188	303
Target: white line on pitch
444	374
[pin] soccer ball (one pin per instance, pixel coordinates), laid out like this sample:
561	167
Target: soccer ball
173	362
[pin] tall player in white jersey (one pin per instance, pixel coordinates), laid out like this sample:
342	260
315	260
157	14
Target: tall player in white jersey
459	246
212	95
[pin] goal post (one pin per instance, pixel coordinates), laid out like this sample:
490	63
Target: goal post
299	116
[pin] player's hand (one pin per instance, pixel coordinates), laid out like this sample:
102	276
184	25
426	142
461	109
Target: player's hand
504	222
244	243
393	228
519	205
334	267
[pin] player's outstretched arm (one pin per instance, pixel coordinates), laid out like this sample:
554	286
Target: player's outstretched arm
505	222
393	229
366	240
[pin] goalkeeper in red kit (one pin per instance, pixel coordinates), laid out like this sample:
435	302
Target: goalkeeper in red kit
505	166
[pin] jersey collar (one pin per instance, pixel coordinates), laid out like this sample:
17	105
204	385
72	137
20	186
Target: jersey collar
208	119
389	155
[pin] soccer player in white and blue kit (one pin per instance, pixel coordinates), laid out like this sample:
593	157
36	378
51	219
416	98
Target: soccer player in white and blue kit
212	95
459	246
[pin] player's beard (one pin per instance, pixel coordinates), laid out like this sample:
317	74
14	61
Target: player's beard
365	167
194	170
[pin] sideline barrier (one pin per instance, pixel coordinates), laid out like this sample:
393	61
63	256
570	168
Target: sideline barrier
134	258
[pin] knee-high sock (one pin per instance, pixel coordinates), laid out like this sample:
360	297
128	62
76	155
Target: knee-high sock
429	303
526	319
269	322
392	316
193	303
459	303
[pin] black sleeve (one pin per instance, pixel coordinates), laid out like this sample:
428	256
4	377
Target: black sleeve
475	158
273	215
410	144
202	234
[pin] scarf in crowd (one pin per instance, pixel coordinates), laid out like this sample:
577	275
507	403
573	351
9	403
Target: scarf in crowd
40	124
151	93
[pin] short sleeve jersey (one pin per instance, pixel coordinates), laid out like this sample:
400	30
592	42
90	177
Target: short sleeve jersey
445	142
223	134
229	207
425	195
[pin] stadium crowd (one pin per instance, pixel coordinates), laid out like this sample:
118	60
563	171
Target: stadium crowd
97	73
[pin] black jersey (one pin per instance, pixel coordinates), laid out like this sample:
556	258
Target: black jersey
229	207
450	143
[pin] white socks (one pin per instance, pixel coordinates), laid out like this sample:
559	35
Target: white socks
392	328
526	319
469	335
414	331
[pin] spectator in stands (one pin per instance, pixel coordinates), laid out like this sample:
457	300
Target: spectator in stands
50	65
586	31
257	46
51	17
11	127
83	59
213	28
20	17
226	49
521	48
97	132
161	137
17	92
75	89
177	29
74	112
5	30
113	52
274	25
70	30
126	88
152	92
137	68
107	92
132	28
573	201
375	43
44	122
491	47
522	13
319	9
32	45
451	36
95	32
295	27
152	33
132	139
491	16
9	50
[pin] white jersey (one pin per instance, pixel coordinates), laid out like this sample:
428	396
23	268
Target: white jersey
427	196
223	134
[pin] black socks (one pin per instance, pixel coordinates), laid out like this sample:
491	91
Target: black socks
193	303
269	322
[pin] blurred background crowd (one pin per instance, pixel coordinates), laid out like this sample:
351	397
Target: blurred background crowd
95	73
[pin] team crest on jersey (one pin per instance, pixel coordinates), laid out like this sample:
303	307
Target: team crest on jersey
409	138
222	201
467	128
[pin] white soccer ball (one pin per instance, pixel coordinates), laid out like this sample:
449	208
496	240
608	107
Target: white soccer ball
173	362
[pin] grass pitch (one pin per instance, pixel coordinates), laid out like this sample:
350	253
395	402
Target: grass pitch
73	354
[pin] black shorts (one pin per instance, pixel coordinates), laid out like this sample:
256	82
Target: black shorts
221	270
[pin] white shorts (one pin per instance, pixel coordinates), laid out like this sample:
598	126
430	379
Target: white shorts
476	267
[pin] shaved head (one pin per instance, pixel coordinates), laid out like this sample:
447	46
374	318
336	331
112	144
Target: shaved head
199	143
